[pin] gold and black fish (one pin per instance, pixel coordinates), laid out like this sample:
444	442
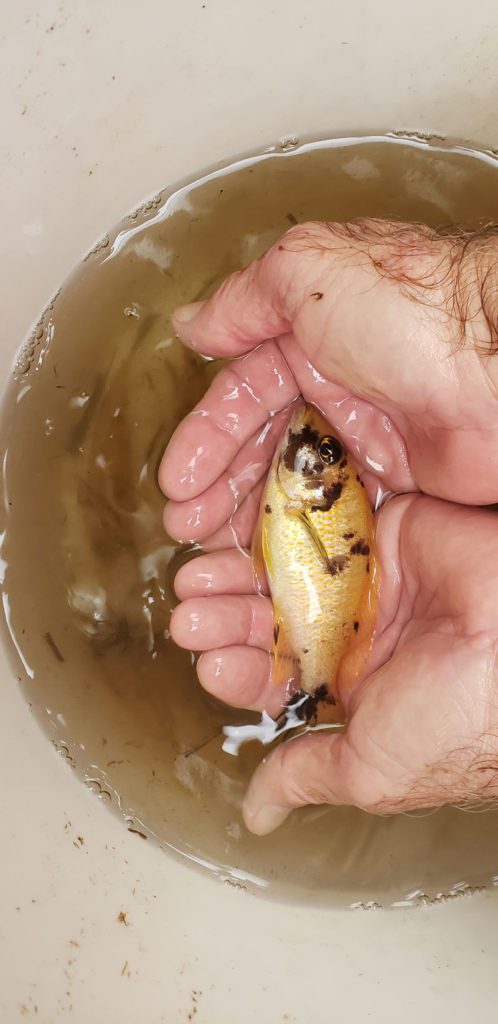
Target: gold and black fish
314	542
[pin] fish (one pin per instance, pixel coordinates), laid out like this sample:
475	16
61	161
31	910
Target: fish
314	547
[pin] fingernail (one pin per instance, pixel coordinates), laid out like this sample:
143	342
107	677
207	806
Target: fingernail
266	819
184	314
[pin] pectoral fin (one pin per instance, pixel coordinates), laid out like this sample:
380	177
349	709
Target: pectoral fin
258	555
316	540
285	664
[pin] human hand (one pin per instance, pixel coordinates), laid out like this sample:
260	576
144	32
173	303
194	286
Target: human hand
423	722
220	468
398	324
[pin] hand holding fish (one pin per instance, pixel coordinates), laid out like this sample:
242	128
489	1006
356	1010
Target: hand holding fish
388	329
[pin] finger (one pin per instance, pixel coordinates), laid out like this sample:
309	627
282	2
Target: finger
244	311
261	301
312	769
241	676
204	623
197	518
223	572
240	401
238	531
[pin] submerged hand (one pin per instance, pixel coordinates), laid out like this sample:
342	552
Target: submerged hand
423	723
413	397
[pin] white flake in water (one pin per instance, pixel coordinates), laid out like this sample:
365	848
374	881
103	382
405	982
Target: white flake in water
268	729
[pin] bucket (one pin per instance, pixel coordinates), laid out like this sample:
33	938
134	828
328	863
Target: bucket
107	105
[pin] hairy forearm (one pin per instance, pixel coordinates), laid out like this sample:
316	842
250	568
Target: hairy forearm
451	271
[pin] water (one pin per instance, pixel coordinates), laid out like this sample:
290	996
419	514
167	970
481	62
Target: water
87	584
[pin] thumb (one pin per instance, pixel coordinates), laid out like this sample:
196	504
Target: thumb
254	304
311	769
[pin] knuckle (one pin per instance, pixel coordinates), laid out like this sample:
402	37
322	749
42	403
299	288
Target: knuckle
290	263
297	239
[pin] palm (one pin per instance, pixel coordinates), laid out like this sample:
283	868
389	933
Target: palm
423	703
419	723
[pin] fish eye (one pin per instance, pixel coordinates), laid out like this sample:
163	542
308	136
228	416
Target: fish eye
330	450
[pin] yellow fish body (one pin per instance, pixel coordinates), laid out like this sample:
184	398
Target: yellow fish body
314	541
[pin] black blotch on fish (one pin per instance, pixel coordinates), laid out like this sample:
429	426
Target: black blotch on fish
337	564
322	696
348	536
305	436
330	496
343	462
356	627
317	296
307	709
368	566
268	509
360	548
276	631
305	650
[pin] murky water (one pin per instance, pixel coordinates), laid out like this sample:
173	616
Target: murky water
87	585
